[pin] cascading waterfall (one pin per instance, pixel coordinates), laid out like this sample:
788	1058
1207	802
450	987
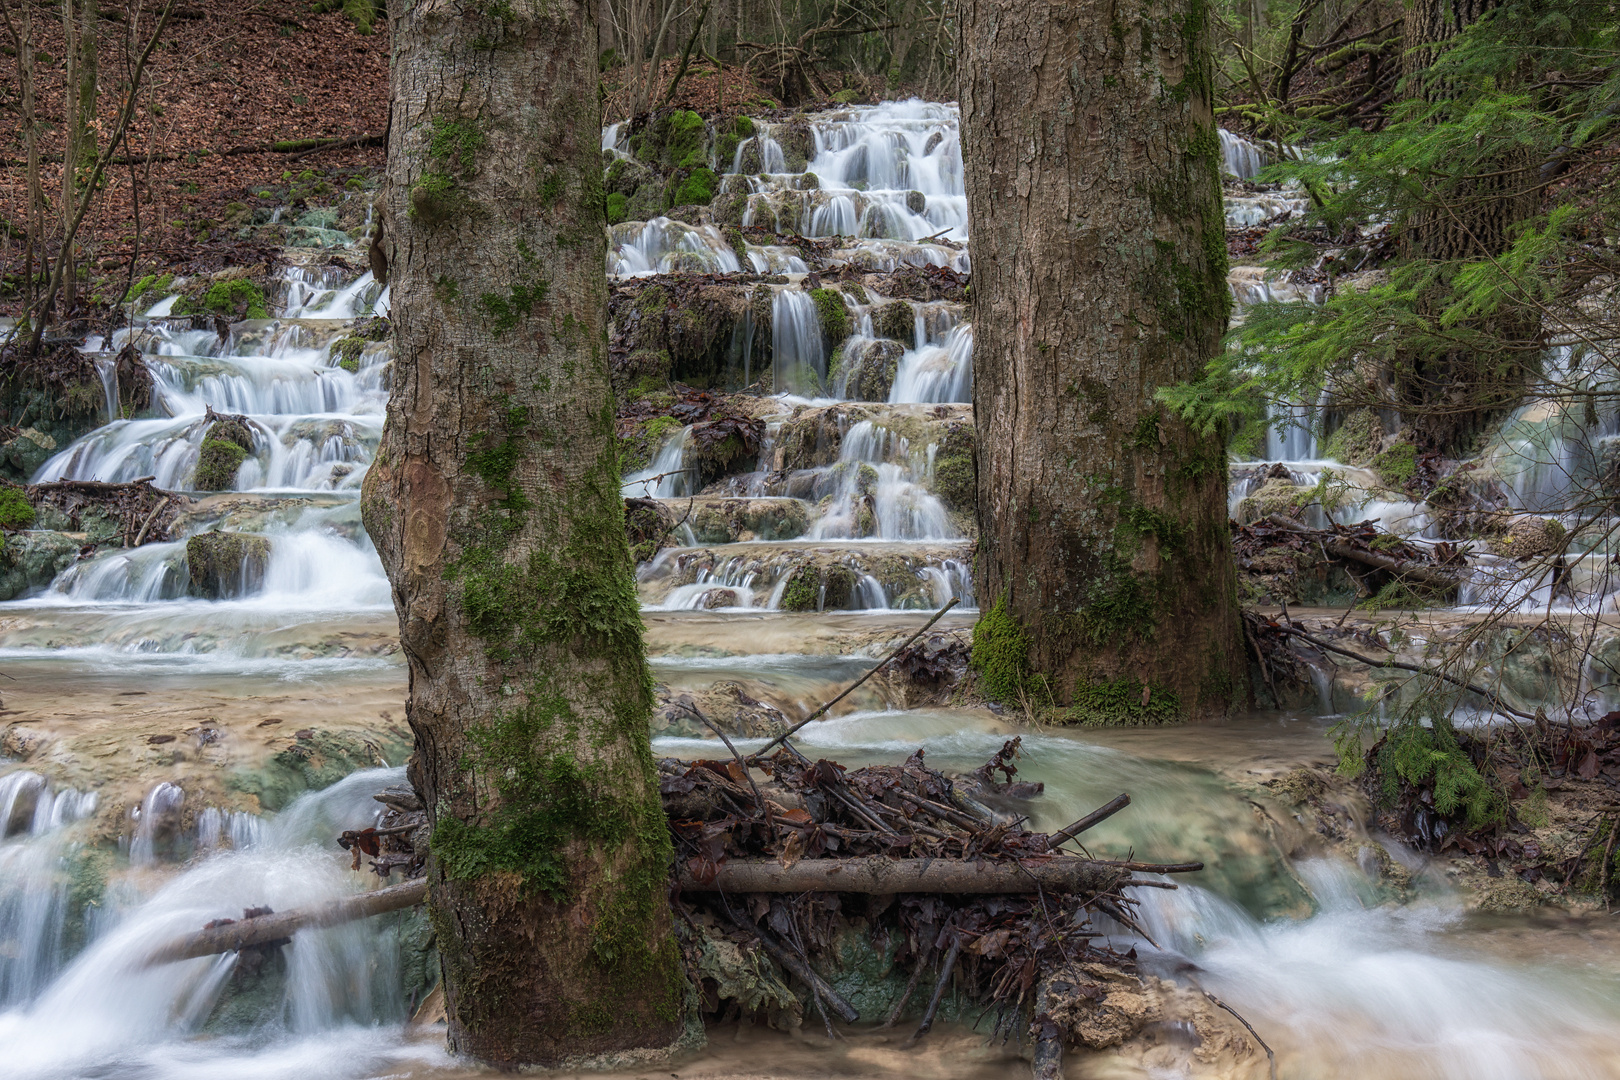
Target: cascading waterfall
314	422
879	492
341	985
799	358
35	844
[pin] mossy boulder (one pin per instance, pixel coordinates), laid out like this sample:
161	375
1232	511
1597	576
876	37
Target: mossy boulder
1358	440
728	521
1396	465
226	564
696	188
31	560
230	294
1277	496
16	512
728	138
673	140
896	320
867	372
227	443
827	589
316	759
798	143
833	316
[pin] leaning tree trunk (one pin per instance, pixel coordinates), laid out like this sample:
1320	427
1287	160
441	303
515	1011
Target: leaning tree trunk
1451	392
494	502
1099	276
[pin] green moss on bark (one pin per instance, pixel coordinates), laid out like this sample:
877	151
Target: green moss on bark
1123	702
1000	655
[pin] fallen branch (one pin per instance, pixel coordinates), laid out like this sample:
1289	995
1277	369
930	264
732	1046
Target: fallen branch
850	689
1102	813
1431	576
262	929
878	875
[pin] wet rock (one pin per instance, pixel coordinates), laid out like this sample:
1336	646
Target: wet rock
916	202
31	560
20	743
727	521
316	762
226	564
1099	1006
896	320
1358	440
867	370
227	443
1276	496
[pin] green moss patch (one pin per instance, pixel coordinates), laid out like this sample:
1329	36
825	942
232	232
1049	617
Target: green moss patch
698	187
1000	655
15	510
833	315
1397	465
1123	702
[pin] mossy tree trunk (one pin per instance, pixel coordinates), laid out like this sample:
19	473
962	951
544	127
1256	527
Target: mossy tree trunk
494	502
1099	266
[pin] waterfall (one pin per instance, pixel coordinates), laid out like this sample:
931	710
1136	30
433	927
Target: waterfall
799	361
34	879
937	373
880	491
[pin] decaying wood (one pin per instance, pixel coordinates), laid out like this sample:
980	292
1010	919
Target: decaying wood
263	929
1433	577
878	875
1102	813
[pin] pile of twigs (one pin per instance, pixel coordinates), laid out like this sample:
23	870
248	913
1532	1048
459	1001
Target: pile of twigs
782	851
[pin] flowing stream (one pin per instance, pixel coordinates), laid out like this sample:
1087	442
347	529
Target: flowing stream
165	709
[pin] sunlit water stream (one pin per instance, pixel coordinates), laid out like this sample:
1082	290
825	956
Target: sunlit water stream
1339	978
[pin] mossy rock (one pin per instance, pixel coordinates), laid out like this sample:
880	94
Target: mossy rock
1357	440
1273	497
896	320
226	564
623	177
675	140
869	376
641	441
16	512
727	140
798	144
1396	465
848	97
217	462
729	521
32	560
316	761
149	290
956	479
235	298
833	315
696	188
830	589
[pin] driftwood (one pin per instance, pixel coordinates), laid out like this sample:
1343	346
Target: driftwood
878	875
1432	576
266	929
146	512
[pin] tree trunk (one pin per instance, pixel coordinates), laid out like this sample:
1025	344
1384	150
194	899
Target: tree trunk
1099	275
494	503
1449	396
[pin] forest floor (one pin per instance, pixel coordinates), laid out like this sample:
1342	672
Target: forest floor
222	80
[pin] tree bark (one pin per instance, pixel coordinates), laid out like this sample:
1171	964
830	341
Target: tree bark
1099	275
494	503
